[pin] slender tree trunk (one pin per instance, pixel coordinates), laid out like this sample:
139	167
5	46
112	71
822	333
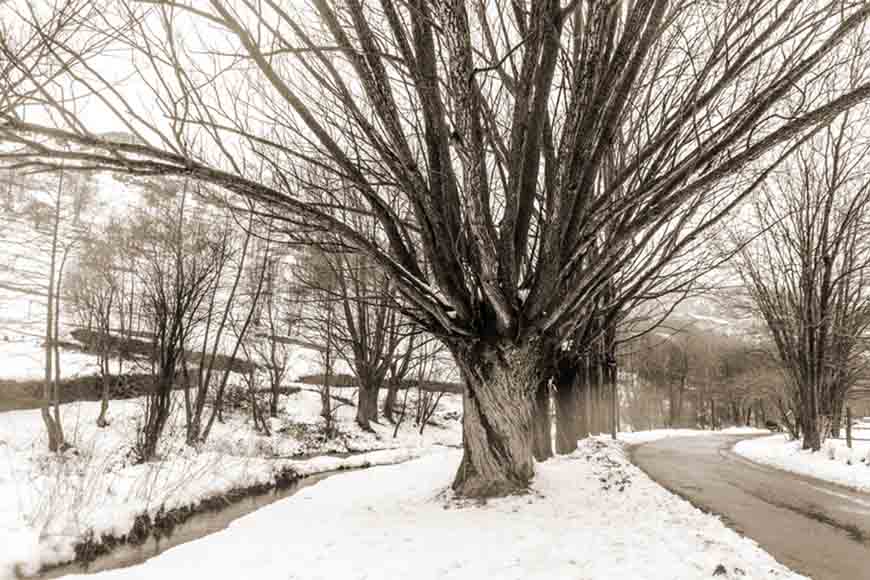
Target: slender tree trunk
156	414
105	378
56	386
679	414
52	425
273	399
838	399
586	402
613	390
498	418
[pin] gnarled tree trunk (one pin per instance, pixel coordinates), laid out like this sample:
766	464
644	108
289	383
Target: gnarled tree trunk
498	419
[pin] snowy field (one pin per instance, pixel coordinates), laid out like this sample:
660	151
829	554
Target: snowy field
48	505
590	516
835	462
24	359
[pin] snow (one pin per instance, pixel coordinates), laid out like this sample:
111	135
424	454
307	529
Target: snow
835	462
638	437
590	515
48	504
24	359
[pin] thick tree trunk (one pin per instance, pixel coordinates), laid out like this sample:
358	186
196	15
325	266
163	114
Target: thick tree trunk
838	400
367	406
606	406
390	401
595	423
543	426
498	418
809	426
569	418
274	397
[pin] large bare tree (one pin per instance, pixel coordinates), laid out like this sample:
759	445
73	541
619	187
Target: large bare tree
516	156
806	268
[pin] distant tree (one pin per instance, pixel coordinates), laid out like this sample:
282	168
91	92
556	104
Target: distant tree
276	322
805	262
93	290
241	315
218	333
358	309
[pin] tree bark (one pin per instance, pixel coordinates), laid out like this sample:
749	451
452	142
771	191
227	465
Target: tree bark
584	400
498	419
367	405
595	398
838	401
273	399
569	419
543	449
390	400
102	420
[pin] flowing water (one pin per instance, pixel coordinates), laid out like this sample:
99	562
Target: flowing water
197	526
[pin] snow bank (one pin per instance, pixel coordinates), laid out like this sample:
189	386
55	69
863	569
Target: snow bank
591	515
50	503
835	462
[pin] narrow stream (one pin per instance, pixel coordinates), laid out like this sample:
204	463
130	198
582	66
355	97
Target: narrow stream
198	526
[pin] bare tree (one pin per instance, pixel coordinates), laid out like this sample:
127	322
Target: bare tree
275	323
806	271
178	264
215	332
241	326
359	311
477	134
93	291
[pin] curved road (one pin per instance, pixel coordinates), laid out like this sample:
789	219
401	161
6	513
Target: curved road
818	529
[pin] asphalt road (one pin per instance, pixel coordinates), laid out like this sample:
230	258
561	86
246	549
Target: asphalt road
820	530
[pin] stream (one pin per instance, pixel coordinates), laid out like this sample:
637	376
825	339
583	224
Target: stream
197	526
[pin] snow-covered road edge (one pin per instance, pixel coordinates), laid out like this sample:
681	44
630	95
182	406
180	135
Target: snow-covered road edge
835	463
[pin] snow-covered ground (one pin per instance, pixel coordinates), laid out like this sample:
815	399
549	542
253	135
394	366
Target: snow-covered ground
590	515
638	437
835	462
49	504
24	359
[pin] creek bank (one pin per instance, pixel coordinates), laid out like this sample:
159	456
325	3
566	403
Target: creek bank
150	536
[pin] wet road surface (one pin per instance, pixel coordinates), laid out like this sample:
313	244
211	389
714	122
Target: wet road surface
820	530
